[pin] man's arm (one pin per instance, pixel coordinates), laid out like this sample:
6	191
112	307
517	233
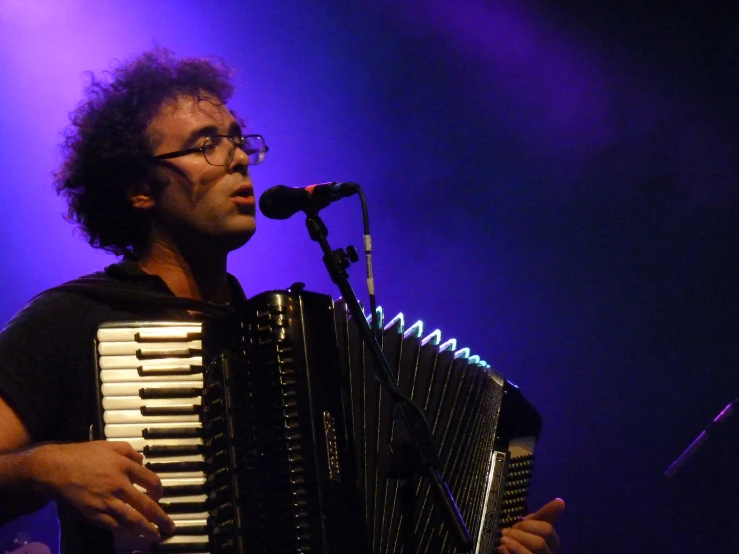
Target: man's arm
96	479
13	437
13	434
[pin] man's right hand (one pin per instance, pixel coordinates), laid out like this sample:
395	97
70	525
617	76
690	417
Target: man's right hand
97	479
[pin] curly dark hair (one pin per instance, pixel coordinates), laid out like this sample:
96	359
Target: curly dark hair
106	148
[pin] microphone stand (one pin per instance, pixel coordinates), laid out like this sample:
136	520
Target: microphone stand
423	456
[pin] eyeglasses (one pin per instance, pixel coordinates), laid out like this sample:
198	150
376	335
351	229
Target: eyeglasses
220	149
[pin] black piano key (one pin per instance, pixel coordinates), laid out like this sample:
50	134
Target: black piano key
169	410
182	490
171	432
168	467
170	392
185	369
153	451
175	352
166	336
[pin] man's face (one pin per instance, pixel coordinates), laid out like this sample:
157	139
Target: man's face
201	203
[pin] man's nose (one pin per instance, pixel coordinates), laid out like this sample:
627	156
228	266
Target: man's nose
240	161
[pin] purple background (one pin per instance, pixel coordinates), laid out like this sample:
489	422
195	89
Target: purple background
554	186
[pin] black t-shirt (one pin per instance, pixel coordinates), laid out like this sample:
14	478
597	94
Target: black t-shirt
47	365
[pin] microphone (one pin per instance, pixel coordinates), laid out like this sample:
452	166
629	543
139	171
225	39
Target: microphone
281	202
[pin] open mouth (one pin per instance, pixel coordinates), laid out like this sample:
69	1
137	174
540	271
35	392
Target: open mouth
244	196
244	191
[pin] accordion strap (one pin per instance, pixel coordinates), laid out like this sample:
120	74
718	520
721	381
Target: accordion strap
107	290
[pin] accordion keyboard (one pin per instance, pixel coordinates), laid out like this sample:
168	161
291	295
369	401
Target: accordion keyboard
151	395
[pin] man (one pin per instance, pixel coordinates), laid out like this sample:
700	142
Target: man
157	171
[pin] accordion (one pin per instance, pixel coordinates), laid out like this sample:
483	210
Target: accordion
270	432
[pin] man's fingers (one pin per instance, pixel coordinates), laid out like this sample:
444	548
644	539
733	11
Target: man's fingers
541	529
131	518
119	517
106	522
147	479
125	449
549	512
148	507
151	511
511	546
146	503
530	542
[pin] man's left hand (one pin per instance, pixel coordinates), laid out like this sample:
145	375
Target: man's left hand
535	534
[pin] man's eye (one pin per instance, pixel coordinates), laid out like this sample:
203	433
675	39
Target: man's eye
212	143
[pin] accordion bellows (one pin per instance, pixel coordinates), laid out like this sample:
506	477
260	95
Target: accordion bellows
271	433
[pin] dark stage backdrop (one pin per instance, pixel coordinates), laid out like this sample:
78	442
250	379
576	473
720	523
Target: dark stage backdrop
554	186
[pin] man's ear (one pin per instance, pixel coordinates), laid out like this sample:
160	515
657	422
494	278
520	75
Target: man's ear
140	197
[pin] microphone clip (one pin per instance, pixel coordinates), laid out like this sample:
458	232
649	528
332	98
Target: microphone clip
323	194
281	202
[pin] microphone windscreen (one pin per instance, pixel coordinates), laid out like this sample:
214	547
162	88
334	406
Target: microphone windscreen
281	202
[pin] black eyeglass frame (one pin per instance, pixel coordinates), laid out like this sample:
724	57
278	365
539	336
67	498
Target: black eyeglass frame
180	153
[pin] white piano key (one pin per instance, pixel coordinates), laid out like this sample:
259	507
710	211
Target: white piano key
182	478
131	348
190	517
172	482
132	375
196	498
135	416
136	429
132	362
188	458
138	443
167	333
132	388
181	474
134	402
176	518
185	539
149	332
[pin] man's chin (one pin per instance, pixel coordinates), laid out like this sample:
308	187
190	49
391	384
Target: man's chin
234	241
